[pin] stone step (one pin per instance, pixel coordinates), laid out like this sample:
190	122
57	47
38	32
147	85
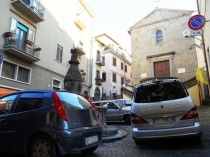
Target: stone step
206	101
109	131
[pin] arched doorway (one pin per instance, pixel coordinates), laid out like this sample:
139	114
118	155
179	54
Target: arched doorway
97	94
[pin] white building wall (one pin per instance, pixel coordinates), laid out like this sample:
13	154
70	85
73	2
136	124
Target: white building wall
58	27
109	87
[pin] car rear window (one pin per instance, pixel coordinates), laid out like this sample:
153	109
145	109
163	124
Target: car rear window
74	100
29	101
160	92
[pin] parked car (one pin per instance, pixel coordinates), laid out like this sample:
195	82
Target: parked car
126	102
116	111
47	123
163	109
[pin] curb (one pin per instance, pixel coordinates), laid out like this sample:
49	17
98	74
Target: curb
120	135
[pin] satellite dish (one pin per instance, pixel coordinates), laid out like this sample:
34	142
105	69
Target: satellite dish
186	33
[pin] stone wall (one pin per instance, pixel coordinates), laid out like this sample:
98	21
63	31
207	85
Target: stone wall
175	47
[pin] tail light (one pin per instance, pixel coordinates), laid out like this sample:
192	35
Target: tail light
59	106
137	120
193	113
96	109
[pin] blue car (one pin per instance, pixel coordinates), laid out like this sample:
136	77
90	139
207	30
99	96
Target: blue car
47	123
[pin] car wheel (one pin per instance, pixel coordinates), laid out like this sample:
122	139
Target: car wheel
138	142
42	146
89	150
127	119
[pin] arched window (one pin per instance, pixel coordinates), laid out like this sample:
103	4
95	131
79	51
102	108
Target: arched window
159	37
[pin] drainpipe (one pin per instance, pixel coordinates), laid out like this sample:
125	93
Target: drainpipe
204	51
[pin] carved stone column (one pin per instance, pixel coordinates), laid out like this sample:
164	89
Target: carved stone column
73	78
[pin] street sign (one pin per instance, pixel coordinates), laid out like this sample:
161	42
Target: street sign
196	33
196	22
1	58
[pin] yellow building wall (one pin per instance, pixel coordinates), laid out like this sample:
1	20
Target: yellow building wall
194	92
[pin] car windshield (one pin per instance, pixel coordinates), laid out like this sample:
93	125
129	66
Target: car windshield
126	102
159	92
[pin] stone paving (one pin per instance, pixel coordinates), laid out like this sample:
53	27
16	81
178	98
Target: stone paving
184	147
124	145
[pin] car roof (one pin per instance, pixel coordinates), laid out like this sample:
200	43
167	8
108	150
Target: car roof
104	101
34	90
123	99
152	81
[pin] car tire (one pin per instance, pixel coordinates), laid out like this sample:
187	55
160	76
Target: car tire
127	119
197	138
89	150
43	146
138	142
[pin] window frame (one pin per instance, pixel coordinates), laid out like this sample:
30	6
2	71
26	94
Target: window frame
16	72
114	61
159	36
122	65
114	77
126	70
104	76
59	53
122	80
55	86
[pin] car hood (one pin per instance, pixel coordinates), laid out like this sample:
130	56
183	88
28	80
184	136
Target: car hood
128	108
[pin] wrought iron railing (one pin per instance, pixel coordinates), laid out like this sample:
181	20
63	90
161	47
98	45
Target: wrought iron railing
100	59
35	6
27	46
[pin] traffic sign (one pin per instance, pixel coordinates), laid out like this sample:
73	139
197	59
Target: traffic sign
1	58
196	22
196	33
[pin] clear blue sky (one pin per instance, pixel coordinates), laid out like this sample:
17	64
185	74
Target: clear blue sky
115	17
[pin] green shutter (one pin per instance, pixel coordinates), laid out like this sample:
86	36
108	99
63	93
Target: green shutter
21	26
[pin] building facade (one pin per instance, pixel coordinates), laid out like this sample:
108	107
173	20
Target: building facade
36	40
111	69
203	46
159	48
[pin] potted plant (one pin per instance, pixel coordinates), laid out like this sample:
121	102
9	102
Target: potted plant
7	34
38	49
29	42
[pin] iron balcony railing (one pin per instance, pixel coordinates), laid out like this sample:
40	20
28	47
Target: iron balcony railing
98	81
31	8
100	61
27	46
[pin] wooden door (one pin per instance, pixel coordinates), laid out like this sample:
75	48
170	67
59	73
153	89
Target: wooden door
162	69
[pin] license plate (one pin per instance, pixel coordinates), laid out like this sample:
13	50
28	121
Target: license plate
91	139
164	120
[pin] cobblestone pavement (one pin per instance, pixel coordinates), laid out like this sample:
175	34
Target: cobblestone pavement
126	147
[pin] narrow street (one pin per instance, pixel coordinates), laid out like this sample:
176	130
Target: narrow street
158	148
184	147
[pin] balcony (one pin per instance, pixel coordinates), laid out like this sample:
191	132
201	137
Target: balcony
21	48
32	8
100	61
98	81
80	21
80	51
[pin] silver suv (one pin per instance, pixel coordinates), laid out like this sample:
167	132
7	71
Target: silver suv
163	108
116	111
